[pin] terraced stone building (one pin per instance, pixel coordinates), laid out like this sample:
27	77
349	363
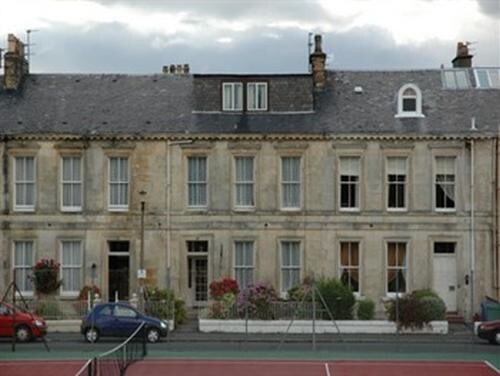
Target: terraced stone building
385	179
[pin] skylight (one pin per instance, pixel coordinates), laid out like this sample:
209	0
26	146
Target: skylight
456	79
487	78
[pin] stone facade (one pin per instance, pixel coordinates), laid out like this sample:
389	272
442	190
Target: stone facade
160	169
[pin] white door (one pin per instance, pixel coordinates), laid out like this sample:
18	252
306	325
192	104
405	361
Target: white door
445	279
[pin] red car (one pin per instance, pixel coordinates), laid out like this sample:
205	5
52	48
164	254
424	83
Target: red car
27	325
490	330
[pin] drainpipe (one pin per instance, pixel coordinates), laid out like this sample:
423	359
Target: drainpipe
472	221
168	248
496	234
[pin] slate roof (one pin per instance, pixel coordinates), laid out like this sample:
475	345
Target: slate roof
160	104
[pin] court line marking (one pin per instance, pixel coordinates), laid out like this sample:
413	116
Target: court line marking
327	369
495	369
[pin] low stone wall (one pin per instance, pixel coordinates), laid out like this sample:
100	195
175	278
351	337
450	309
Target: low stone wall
305	327
73	326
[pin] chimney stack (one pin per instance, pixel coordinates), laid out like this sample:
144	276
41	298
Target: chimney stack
317	60
463	58
15	64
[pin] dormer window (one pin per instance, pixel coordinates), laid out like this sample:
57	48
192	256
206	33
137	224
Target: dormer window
409	101
487	78
232	96
257	96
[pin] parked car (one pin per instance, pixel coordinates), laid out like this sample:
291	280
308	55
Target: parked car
120	320
490	330
24	324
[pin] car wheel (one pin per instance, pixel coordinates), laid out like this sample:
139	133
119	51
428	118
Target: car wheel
91	335
23	333
153	335
496	338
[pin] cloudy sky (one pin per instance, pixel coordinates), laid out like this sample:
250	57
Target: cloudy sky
133	36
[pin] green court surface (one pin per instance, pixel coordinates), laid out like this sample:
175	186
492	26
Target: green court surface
493	358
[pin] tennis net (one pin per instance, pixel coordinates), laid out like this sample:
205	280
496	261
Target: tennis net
115	361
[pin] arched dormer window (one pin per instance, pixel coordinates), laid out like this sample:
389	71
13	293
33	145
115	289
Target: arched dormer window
409	101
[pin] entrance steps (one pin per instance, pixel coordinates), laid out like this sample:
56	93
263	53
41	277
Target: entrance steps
454	318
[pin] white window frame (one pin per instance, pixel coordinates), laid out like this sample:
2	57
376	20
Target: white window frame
24	208
349	266
291	182
119	207
231	106
418	102
14	266
242	266
238	206
490	83
255	99
406	268
64	292
71	208
289	267
434	177
357	184
388	184
199	182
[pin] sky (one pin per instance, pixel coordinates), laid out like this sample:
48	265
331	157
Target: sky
249	36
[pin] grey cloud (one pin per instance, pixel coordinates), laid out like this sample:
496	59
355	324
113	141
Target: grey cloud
490	7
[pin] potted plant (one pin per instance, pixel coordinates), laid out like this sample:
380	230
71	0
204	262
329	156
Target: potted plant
45	277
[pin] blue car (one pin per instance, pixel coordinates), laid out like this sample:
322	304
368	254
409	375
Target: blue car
120	320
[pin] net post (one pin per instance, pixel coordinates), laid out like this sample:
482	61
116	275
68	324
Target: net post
144	340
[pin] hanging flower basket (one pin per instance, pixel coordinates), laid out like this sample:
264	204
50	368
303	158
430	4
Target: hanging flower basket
45	276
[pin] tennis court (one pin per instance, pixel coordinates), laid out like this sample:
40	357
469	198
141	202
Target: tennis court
254	367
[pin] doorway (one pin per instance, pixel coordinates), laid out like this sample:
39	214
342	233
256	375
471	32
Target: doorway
445	274
118	270
197	262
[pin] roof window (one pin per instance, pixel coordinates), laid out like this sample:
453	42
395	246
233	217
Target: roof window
409	101
487	78
456	79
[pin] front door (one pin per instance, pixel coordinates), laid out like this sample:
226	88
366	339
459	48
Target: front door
445	274
118	272
197	261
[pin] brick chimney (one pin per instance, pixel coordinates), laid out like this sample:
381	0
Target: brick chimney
15	64
463	58
317	60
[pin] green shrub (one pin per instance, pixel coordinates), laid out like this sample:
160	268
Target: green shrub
417	309
223	307
48	309
159	303
365	309
338	297
433	308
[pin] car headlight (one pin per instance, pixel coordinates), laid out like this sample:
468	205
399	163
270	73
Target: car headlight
163	324
38	323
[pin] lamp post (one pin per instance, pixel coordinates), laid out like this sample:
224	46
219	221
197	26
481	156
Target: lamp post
142	272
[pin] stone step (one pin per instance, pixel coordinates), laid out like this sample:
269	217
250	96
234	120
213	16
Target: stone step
454	318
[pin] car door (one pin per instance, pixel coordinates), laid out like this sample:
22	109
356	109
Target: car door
5	321
127	320
105	321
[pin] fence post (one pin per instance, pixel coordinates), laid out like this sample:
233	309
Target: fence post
314	319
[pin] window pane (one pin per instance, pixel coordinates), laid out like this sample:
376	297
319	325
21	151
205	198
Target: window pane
251	97
227	104
238	96
482	77
409	104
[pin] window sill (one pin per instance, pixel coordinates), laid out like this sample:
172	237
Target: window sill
349	210
406	115
69	294
393	295
291	209
71	210
443	210
197	208
397	210
25	209
244	208
118	209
